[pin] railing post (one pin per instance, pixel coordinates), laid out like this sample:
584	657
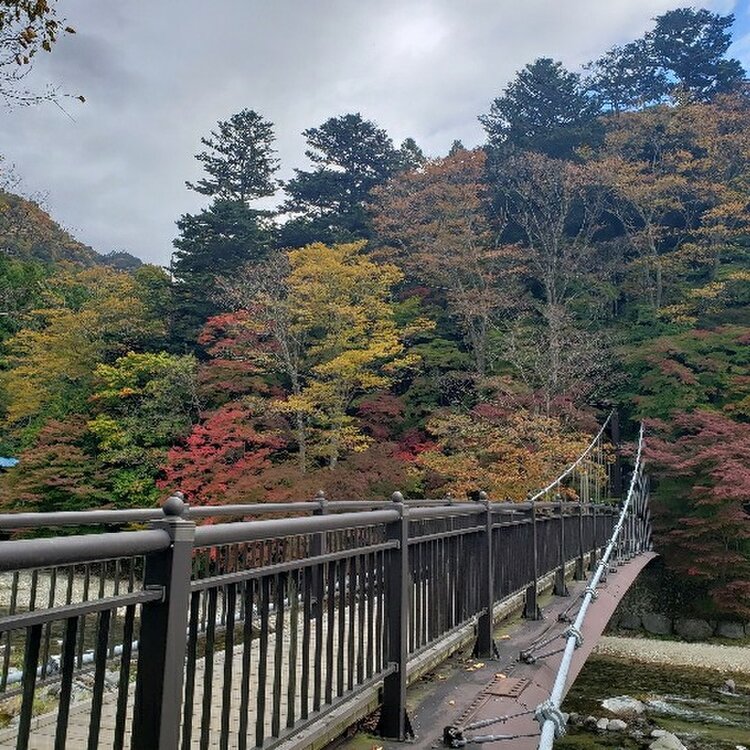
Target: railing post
580	573
593	557
561	588
317	548
531	609
162	643
394	722
485	645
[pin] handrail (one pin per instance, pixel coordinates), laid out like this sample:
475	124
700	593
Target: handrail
580	458
40	553
548	714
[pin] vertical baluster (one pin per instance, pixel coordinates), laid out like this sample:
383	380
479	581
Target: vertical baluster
226	696
341	634
350	646
208	668
260	721
48	626
30	665
330	624
279	583
192	658
11	611
100	667
124	680
370	597
247	644
307	614
291	695
66	681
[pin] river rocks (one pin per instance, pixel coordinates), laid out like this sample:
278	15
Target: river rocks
629	621
624	705
730	686
616	725
733	630
656	624
666	741
602	724
693	630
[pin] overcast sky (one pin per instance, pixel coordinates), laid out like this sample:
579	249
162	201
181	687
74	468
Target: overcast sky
157	75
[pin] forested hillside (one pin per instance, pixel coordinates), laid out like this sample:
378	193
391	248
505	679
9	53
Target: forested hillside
430	325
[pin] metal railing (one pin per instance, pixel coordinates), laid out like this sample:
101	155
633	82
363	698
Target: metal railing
630	535
243	633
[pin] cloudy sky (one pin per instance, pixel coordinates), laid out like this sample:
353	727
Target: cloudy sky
158	75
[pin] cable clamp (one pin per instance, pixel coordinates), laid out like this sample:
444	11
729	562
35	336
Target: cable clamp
591	590
573	631
454	737
527	657
548	711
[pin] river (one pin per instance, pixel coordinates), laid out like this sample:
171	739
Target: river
684	700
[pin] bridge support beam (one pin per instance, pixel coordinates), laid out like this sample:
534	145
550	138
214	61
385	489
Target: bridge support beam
394	722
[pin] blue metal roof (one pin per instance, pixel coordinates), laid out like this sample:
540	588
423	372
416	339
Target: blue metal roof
7	463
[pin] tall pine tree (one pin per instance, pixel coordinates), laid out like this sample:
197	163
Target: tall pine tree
240	164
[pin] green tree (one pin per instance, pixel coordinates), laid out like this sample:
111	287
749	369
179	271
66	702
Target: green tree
627	78
545	108
690	45
213	243
240	159
350	156
144	403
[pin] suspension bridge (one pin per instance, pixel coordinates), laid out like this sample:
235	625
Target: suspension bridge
283	630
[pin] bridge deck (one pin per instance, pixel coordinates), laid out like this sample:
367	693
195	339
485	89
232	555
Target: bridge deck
467	695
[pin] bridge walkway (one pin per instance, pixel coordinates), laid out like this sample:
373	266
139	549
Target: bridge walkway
465	690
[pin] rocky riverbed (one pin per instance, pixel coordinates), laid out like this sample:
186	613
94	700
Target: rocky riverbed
629	696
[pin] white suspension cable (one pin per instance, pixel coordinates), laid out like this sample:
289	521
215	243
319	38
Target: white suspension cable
548	713
570	468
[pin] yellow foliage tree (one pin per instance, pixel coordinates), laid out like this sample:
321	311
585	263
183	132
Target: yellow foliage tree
341	305
90	316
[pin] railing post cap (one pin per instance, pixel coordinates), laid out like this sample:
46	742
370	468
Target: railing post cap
175	505
483	496
397	497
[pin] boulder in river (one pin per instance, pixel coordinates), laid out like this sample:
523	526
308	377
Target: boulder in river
656	624
733	630
693	630
629	622
616	725
667	741
624	705
602	724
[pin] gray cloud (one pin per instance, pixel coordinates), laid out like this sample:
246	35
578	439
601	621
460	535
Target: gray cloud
158	75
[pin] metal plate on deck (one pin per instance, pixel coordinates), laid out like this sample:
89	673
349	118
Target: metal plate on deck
507	687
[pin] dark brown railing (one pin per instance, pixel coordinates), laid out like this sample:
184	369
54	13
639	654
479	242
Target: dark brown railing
243	633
